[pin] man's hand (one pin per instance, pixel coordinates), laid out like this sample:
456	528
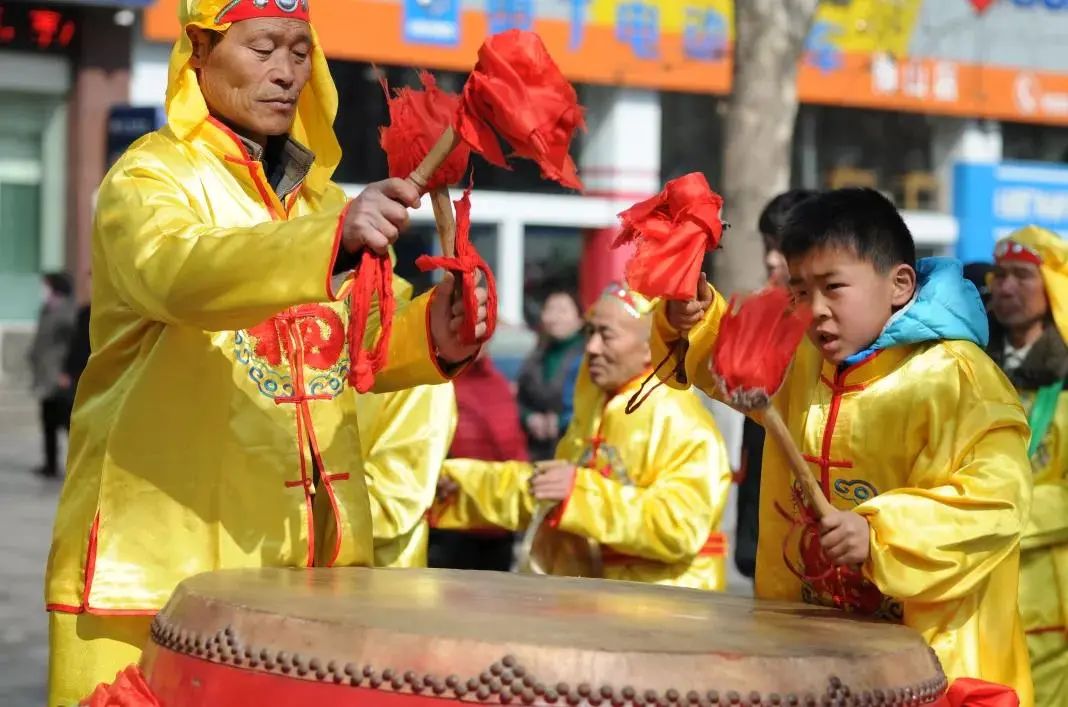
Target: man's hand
846	538
447	319
536	425
683	316
447	488
552	480
378	215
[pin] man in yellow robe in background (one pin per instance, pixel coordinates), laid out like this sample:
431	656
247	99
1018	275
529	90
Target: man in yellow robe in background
1029	301
213	427
648	488
914	435
405	436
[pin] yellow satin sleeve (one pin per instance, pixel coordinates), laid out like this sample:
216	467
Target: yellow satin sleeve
491	495
404	436
172	267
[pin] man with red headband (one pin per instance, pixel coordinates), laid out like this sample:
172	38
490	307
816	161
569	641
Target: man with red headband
214	426
1029	303
641	495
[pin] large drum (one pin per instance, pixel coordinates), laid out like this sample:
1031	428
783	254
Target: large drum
386	638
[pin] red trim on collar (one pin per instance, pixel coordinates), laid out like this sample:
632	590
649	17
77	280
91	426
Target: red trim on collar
252	9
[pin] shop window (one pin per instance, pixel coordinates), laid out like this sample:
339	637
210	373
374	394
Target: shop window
20	226
1042	143
691	137
551	255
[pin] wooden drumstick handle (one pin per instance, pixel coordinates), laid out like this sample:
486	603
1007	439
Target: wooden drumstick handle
440	152
775	426
445	220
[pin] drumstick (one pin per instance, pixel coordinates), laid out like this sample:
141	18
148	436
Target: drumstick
776	427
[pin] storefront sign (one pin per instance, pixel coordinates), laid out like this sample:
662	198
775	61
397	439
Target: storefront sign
992	200
36	27
861	53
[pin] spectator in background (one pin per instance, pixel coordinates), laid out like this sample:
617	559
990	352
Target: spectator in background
770	224
55	326
547	379
488	429
77	352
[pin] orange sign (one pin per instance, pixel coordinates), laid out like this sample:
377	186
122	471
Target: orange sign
684	45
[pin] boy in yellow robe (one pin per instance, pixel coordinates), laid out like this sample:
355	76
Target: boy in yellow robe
1029	302
913	433
213	426
648	488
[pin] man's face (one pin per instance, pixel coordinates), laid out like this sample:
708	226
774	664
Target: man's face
851	301
617	350
775	264
253	75
1017	294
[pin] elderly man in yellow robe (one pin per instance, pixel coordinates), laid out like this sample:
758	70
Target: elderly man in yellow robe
1029	301
647	490
213	425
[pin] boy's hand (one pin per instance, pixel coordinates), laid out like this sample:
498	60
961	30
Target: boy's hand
552	480
846	538
684	316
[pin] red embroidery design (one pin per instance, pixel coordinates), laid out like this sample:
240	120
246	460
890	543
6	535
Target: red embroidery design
322	337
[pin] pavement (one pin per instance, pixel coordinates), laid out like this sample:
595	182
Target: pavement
27	507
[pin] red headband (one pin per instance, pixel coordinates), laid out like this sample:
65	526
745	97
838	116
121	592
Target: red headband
1011	250
238	10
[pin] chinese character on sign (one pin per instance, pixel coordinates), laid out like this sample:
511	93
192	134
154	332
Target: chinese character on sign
820	50
510	14
7	32
945	81
50	29
704	36
638	25
578	23
917	80
884	74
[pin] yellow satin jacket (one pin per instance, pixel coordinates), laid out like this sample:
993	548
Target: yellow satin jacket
405	437
213	426
1044	576
928	443
650	488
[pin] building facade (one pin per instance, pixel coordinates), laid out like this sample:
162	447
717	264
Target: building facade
930	101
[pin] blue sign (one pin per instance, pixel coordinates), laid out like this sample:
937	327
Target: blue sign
432	22
992	200
126	124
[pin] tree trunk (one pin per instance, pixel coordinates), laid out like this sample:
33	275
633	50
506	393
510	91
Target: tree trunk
769	39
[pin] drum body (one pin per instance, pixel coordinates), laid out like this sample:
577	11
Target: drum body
396	638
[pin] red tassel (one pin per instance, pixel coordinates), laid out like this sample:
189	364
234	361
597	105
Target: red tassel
468	263
971	692
128	690
416	121
757	341
375	277
517	90
673	231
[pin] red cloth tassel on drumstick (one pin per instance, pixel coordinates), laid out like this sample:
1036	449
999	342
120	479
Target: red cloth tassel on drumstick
971	692
469	263
128	690
518	92
375	277
417	118
756	342
673	230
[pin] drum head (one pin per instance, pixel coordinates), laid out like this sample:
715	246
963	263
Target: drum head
495	638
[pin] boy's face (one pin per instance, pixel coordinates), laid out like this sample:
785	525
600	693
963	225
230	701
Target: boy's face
1017	294
775	265
850	300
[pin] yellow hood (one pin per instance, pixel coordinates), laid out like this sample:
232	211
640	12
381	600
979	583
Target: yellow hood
1053	250
316	110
